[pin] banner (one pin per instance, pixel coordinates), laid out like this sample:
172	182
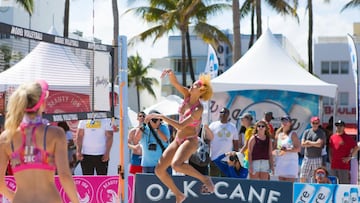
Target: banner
306	193
300	106
148	188
212	63
353	57
101	81
326	193
89	188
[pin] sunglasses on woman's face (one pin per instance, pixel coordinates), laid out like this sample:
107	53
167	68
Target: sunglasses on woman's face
261	126
320	174
155	120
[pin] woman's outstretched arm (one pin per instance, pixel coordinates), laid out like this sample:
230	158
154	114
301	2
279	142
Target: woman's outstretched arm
173	80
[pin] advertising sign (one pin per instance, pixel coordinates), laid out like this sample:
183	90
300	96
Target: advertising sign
306	193
148	188
300	106
89	188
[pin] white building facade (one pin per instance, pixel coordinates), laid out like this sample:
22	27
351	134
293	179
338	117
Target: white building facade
332	64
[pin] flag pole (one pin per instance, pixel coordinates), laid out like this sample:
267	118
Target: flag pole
123	125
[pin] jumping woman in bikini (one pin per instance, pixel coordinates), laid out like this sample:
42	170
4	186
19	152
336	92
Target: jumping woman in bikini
186	140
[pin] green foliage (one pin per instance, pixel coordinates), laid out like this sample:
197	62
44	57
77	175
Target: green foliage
137	76
28	5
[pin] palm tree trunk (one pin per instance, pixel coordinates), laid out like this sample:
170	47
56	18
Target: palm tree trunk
138	98
66	18
252	35
115	40
258	19
236	30
183	57
188	48
310	36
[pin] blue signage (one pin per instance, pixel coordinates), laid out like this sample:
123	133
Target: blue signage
148	188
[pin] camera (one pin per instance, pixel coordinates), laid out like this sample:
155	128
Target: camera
233	158
152	147
142	128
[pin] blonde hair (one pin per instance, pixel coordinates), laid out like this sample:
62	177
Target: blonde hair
206	87
25	96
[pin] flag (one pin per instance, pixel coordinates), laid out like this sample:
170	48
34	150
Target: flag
353	57
212	63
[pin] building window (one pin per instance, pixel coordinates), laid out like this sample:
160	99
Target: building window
177	65
327	101
343	98
344	67
334	67
325	67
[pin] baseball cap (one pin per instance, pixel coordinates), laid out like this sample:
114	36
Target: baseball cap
286	117
269	113
240	157
314	118
246	115
340	123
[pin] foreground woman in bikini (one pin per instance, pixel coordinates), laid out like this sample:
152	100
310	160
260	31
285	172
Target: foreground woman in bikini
35	150
186	140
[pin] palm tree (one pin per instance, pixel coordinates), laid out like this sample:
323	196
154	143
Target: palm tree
168	15
254	7
137	77
27	4
351	4
236	30
115	11
66	18
310	34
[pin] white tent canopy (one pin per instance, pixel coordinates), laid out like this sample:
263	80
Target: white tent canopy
267	66
54	63
167	106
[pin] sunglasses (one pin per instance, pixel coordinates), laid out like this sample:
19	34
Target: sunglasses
315	123
261	126
320	174
141	116
155	120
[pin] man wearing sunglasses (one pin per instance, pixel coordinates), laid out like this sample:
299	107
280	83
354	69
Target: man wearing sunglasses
134	146
321	175
153	139
342	148
313	141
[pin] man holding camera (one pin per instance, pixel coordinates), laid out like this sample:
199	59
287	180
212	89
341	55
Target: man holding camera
153	139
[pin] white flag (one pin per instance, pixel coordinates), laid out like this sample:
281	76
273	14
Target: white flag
212	63
353	57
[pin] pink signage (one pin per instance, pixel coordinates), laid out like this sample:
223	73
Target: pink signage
90	189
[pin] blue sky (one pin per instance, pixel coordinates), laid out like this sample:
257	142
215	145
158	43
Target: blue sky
328	21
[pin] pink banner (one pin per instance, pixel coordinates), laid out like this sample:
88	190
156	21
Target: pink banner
90	188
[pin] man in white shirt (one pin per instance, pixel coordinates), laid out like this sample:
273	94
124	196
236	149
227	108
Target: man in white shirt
94	141
225	139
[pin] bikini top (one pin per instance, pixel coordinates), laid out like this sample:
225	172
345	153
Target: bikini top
183	115
29	156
